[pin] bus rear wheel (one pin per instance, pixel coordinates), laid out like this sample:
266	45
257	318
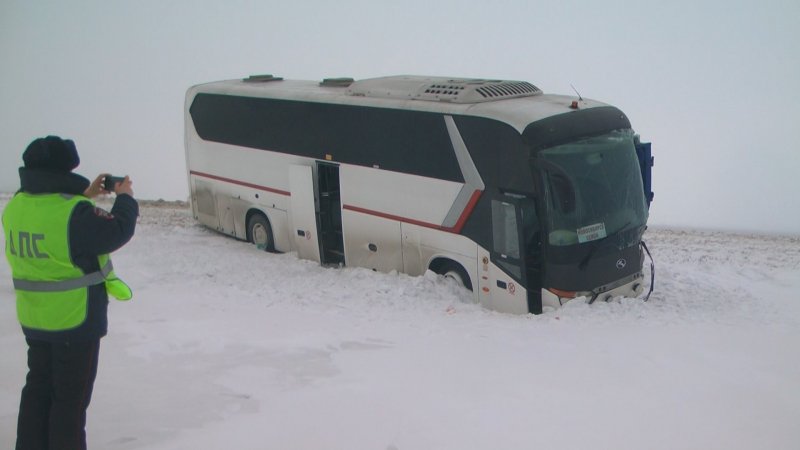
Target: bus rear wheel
259	232
453	271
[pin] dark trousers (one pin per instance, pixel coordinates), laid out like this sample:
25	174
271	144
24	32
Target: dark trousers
57	392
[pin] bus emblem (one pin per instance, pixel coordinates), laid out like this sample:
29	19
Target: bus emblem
621	263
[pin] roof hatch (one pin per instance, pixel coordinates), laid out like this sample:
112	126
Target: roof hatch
261	78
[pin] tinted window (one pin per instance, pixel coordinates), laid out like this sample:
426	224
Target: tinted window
498	151
403	141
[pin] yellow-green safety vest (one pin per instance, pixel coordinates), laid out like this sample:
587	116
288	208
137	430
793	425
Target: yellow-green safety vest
52	292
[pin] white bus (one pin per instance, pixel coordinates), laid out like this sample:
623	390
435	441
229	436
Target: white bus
528	200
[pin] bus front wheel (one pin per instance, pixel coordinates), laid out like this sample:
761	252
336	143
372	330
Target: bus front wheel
259	232
453	271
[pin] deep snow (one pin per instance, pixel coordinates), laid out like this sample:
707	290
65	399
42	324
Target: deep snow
227	347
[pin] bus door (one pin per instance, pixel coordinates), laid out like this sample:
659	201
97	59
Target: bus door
303	212
513	279
330	214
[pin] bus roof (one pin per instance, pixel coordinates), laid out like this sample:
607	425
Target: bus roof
517	103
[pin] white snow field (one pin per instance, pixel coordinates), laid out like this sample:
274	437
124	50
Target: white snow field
228	347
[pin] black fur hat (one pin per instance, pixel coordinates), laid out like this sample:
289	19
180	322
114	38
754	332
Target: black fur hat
52	153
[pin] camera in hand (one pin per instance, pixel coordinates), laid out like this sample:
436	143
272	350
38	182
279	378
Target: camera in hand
110	182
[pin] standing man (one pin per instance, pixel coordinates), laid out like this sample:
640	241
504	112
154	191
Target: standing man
57	244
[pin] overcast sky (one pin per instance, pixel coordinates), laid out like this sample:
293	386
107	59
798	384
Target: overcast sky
713	84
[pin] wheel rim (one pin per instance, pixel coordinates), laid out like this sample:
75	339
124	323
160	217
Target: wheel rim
455	276
260	236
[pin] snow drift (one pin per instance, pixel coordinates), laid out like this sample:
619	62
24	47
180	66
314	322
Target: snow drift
228	347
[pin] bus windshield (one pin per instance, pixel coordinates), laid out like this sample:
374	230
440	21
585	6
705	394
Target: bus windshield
593	190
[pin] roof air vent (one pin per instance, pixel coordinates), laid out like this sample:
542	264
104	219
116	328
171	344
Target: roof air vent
261	78
441	89
507	89
336	82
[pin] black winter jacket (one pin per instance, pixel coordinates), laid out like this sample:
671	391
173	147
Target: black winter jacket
92	232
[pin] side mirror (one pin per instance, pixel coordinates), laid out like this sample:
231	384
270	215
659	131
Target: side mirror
646	161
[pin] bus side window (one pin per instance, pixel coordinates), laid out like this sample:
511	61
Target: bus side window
505	238
505	231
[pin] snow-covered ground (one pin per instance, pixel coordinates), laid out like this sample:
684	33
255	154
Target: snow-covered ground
227	347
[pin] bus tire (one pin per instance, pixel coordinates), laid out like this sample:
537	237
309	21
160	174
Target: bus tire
454	271
259	232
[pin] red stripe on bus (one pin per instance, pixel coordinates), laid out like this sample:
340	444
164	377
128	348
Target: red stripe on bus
454	229
467	211
462	219
240	183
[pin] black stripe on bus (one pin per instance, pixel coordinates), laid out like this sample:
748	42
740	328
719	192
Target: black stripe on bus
573	126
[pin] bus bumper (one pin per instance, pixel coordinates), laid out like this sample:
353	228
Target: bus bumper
627	287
